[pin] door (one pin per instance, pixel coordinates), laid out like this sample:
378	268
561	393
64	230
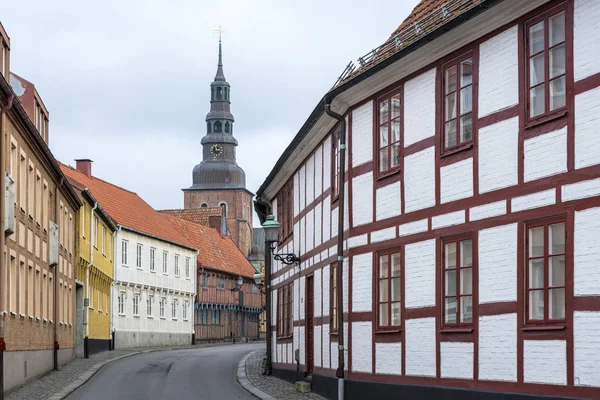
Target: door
309	325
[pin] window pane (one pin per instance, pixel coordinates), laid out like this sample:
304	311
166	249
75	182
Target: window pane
536	273
466	281
557	61
466	253
450	307
466	309
395	154
396	106
396	289
451	282
383	266
557	271
383	315
557	28
395	314
536	38
383	159
450	106
536	69
383	135
395	131
450	138
466	128
558	95
383	290
536	98
466	100
450	252
466	72
451	79
536	241
536	304
383	112
396	264
556	238
556	298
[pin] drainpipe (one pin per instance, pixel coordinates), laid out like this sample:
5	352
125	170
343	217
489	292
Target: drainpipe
112	294
87	282
3	274
56	277
340	248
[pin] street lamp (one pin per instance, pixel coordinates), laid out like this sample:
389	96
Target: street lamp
257	279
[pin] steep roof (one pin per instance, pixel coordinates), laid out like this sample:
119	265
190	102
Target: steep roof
216	251
197	215
128	209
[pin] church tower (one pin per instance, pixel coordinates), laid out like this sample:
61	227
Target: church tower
218	181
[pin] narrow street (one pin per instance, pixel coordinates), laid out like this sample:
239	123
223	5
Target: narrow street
205	373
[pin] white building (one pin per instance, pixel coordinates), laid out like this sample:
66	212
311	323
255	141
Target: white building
471	210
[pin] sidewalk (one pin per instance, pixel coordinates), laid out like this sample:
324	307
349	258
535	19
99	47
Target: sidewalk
59	384
267	387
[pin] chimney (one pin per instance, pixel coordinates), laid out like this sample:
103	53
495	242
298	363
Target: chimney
214	222
84	165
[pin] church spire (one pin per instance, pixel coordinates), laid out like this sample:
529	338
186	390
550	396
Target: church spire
220	77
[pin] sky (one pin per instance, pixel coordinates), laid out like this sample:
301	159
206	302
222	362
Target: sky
127	82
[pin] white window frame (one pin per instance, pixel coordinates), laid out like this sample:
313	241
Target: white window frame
177	265
103	240
152	259
163	301
165	262
149	300
136	304
121	303
187	268
174	309
138	256
124	249
185	308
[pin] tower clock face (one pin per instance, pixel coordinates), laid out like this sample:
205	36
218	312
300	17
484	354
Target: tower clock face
216	150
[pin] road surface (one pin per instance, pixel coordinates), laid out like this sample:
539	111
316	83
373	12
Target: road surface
205	373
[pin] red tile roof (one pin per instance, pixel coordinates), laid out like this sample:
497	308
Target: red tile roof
197	215
216	251
128	209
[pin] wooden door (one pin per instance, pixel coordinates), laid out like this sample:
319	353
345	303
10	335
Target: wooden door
309	349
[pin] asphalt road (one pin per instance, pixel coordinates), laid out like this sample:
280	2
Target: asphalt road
205	373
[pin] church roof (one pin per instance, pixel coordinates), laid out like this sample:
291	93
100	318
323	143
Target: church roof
197	215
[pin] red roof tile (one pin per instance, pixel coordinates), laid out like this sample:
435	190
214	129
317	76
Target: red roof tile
197	215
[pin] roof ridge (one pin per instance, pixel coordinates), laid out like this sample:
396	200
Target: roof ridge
100	179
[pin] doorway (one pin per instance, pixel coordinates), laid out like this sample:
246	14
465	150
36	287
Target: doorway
79	352
309	325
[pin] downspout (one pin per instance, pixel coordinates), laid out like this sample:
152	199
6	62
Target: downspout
340	247
56	278
3	268
87	281
112	294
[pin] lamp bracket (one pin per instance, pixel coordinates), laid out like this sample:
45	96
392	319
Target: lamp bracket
287	258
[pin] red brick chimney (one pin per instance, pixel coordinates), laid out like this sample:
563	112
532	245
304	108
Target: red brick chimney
214	221
84	165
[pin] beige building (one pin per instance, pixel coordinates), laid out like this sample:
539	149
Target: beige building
37	274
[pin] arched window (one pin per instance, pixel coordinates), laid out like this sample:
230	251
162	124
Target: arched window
203	205
223	206
226	97
219	93
208	127
212	93
226	127
217	127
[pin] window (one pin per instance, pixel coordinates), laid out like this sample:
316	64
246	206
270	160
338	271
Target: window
185	308
124	244
136	304
138	258
95	228
285	210
223	206
174	309
217	127
99	300
176	264
333	318
545	271
458	281
220	282
389	133
285	302
161	307
103	240
203	205
389	292
205	281
458	103
121	303
546	64
187	267
165	262
335	162
152	258
149	306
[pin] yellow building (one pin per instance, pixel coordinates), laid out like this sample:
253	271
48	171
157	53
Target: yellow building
94	276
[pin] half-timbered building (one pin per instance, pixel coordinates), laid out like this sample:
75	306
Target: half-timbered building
470	207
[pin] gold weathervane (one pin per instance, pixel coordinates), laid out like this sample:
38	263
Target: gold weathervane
219	31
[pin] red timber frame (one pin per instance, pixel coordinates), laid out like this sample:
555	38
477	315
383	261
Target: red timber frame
471	227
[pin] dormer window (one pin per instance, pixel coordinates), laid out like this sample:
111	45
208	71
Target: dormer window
218	127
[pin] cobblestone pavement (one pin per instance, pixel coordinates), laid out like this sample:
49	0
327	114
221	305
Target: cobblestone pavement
73	374
275	387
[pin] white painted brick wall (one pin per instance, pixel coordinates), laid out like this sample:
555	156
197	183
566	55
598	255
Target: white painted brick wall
274	348
362	282
383	234
345	278
362	134
362	354
419	108
318	292
347	209
388	201
581	190
586	51
498	347
419	180
280	353
317	346
456	360
498	155
333	351
326	290
456	181
302	235
420	347
296	315
318	171
334	222
274	307
533	200
302	347
586	347
325	344
296	194
498	264
498	72
296	239
545	155
302	187
327	163
587	253
449	219
388	358
310	230
487	210
356	241
318	223
301	294
295	343
545	361
587	120
326	219
419	283
310	179
410	228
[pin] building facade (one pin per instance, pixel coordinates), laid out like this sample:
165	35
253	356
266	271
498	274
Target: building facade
37	274
471	198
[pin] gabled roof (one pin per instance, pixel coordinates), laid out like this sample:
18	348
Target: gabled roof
128	209
216	252
197	215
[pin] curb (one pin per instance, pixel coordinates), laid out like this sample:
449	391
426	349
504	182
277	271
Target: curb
246	384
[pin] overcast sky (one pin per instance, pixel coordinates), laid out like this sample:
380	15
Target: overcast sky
127	82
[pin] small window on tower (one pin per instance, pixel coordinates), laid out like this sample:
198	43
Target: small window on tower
203	205
208	127
227	127
217	127
226	97
224	208
219	93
